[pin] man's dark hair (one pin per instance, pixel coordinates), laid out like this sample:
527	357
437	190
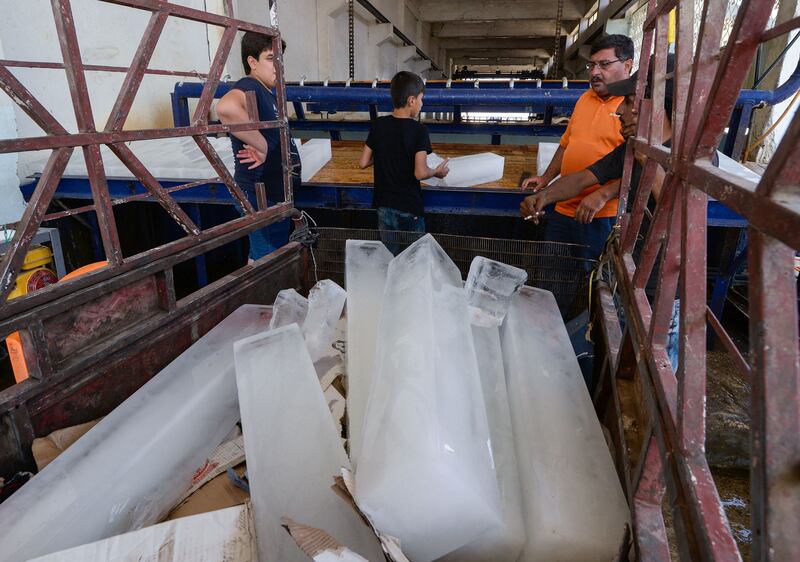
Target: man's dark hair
253	44
405	84
622	45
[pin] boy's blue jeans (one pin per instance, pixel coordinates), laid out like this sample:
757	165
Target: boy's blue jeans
393	219
268	239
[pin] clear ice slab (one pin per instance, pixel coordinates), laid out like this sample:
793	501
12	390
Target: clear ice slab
130	469
325	304
366	264
425	473
290	308
573	502
468	171
490	287
314	154
505	543
293	450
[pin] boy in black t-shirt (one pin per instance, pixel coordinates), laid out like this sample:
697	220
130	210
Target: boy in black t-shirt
258	153
398	146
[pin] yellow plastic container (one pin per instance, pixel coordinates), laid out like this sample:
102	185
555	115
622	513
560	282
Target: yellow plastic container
36	273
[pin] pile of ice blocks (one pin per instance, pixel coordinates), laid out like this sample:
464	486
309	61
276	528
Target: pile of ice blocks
471	433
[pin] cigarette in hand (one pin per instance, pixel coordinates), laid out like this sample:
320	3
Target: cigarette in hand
534	215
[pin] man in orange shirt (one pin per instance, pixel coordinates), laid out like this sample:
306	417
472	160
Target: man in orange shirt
593	132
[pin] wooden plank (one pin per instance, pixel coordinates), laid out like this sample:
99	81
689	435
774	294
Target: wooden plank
343	165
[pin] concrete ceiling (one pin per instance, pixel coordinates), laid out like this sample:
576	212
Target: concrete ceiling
502	33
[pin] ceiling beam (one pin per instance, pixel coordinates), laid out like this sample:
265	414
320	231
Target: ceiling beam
478	42
481	10
494	53
501	28
498	61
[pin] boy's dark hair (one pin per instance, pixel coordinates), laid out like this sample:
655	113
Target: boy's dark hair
253	44
405	84
622	45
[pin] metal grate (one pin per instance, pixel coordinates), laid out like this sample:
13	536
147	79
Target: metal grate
550	265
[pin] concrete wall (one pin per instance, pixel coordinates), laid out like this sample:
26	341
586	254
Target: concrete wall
316	32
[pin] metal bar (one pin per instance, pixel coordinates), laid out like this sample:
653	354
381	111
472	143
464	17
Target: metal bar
775	406
133	78
99	68
105	215
639	205
53	142
139	170
705	64
219	167
193	14
138	197
780	29
731	71
726	340
668	273
21	311
656	233
280	94
693	341
29	223
651	534
760	76
20	95
683	69
777	218
79	91
220	58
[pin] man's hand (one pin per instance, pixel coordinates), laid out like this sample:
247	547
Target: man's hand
535	183
442	169
590	206
532	207
251	155
628	129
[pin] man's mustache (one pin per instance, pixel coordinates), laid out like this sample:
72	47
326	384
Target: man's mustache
596	79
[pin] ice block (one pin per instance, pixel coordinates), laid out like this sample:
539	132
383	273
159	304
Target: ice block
490	286
573	503
325	304
131	468
290	308
293	451
314	154
425	473
366	263
468	171
502	544
544	155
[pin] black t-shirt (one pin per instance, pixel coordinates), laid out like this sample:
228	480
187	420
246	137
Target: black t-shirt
270	172
394	142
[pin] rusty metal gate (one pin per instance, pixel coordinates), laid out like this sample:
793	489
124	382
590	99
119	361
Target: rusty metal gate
90	342
669	457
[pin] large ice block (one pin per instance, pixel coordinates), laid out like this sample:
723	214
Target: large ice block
467	171
544	155
425	473
290	308
365	266
505	543
490	286
325	304
572	499
293	451
131	468
314	154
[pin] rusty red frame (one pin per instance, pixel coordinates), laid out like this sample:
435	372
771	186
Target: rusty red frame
89	139
672	458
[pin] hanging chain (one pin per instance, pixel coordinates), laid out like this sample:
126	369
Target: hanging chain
351	24
557	48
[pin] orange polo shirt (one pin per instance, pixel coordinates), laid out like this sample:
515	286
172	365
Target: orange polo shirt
592	132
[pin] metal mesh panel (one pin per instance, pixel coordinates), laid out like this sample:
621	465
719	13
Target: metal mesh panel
550	265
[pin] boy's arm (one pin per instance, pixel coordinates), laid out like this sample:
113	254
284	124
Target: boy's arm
595	201
366	158
423	172
232	109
